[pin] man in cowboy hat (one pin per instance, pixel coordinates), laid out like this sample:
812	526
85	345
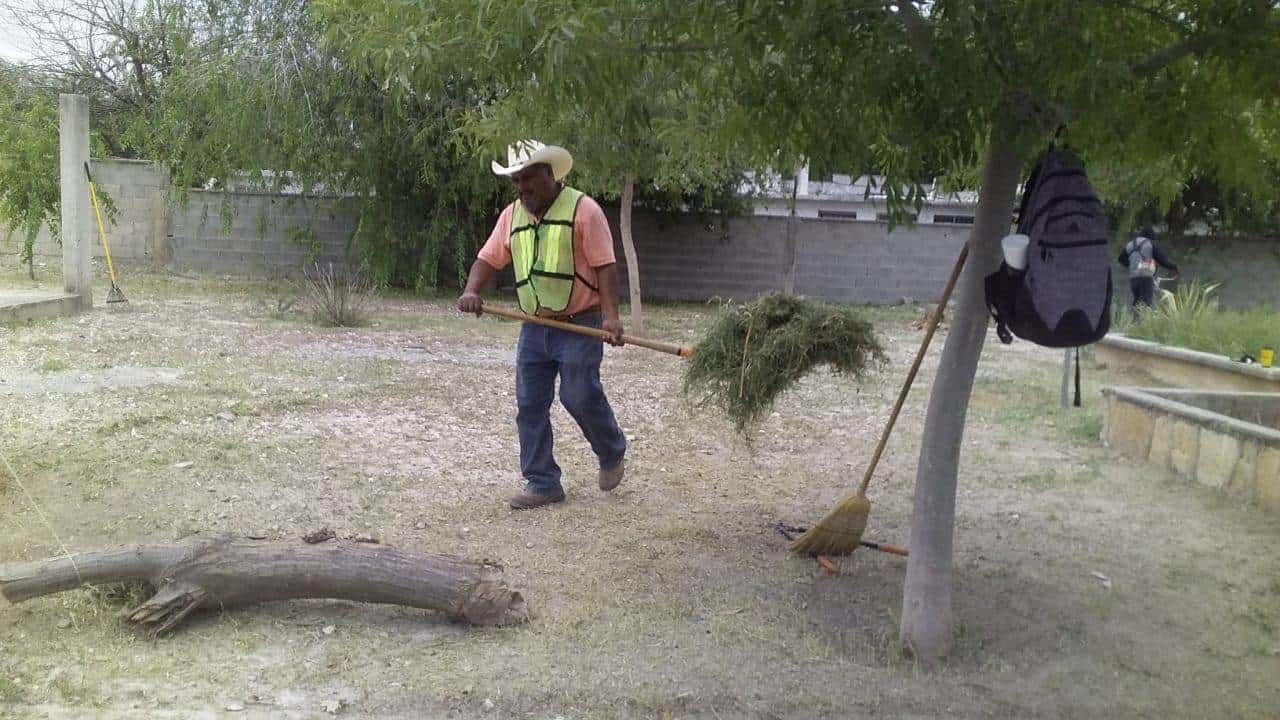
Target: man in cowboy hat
559	243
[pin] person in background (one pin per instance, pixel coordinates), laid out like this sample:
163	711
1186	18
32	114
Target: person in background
1142	255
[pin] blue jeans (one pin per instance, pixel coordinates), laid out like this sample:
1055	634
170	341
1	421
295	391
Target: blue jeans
541	354
1144	291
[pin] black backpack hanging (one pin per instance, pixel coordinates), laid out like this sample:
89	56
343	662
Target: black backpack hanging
1063	296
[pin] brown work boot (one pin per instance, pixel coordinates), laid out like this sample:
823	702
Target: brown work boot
530	498
610	478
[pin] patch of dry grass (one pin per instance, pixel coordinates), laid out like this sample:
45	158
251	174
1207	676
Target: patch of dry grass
670	596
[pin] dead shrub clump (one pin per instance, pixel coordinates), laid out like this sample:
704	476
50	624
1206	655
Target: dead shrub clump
337	298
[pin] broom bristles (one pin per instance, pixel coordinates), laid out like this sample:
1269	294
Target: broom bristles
839	531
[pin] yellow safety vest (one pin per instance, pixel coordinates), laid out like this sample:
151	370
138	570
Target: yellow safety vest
542	254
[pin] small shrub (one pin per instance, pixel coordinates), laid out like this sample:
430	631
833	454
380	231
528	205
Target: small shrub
52	365
336	298
1188	302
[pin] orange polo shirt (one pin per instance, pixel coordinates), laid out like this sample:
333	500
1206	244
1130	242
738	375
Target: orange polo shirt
592	249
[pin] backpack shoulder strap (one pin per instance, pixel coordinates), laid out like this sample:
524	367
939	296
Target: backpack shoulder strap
1027	190
999	294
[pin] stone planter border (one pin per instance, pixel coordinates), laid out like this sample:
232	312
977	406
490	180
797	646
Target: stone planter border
1215	450
1186	368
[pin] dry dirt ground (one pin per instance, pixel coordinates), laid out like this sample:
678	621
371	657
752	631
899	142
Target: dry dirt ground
670	598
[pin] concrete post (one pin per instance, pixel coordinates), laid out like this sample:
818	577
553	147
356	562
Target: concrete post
77	213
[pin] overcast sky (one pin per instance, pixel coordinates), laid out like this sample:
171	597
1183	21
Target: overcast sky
13	44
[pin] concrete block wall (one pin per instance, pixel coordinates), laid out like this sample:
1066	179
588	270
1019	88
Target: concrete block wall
153	228
262	240
47	251
685	258
865	262
681	257
688	258
1247	268
139	191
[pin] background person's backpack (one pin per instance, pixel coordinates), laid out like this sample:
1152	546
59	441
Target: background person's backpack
1142	260
1063	297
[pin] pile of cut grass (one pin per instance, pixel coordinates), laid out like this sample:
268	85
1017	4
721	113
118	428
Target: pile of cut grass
756	351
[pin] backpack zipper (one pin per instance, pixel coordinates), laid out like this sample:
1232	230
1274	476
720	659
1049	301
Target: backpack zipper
1064	215
1072	243
1057	200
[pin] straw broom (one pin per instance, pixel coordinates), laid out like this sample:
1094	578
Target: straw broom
840	530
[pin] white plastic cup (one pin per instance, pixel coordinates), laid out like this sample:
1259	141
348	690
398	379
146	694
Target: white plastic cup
1015	250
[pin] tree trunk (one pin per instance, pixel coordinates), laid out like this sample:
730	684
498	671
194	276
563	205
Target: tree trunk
1176	221
221	572
629	248
926	603
789	280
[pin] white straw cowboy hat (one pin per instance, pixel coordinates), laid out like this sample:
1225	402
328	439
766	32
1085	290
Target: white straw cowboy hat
531	152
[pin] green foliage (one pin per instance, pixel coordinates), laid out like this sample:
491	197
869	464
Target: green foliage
1151	94
29	192
753	352
277	95
575	74
391	103
305	236
721	198
1190	317
1189	301
51	365
239	94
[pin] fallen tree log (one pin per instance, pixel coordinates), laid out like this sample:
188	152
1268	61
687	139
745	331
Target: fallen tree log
227	571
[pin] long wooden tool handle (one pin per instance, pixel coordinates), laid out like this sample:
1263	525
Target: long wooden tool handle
884	548
915	366
102	233
680	350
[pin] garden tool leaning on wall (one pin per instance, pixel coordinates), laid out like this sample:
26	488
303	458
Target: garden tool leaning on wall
114	295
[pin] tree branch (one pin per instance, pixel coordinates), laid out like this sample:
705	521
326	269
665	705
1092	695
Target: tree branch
1189	46
916	30
1171	54
1150	12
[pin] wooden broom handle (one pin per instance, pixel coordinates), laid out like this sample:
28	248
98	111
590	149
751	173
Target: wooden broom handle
915	366
681	350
